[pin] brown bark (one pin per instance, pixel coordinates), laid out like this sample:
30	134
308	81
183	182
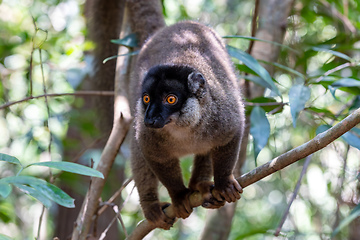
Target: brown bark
272	24
104	20
354	230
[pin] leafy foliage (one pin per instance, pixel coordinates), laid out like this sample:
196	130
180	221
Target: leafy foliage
260	129
41	190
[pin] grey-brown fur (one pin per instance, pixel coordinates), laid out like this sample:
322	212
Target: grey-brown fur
209	125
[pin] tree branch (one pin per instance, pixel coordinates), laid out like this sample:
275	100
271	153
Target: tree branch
78	93
278	163
90	205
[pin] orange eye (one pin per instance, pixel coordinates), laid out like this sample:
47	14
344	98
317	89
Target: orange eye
146	98
171	99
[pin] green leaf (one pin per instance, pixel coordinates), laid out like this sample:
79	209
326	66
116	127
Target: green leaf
262	40
352	139
259	129
34	193
346	221
335	53
71	167
128	41
28	180
298	96
344	84
322	112
285	68
356	103
258	80
10	159
356	131
251	62
121	55
349	137
55	194
244	68
45	188
5	190
272	104
4	237
322	128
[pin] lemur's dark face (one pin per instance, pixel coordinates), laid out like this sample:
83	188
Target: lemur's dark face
164	92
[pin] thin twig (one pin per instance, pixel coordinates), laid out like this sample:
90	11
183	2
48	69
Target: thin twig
114	196
306	164
338	68
40	222
46	102
265	104
78	93
123	225
254	24
117	210
111	149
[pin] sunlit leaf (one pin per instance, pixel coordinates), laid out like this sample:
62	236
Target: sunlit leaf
335	53
34	193
55	194
10	159
259	129
5	190
352	139
71	167
356	131
251	62
28	180
344	83
4	237
346	221
298	96
45	188
128	41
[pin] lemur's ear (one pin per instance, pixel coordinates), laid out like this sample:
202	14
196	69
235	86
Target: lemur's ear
196	84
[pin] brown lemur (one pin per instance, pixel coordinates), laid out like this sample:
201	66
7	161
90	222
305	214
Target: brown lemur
187	101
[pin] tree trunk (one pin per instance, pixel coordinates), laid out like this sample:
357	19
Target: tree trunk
104	19
272	21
